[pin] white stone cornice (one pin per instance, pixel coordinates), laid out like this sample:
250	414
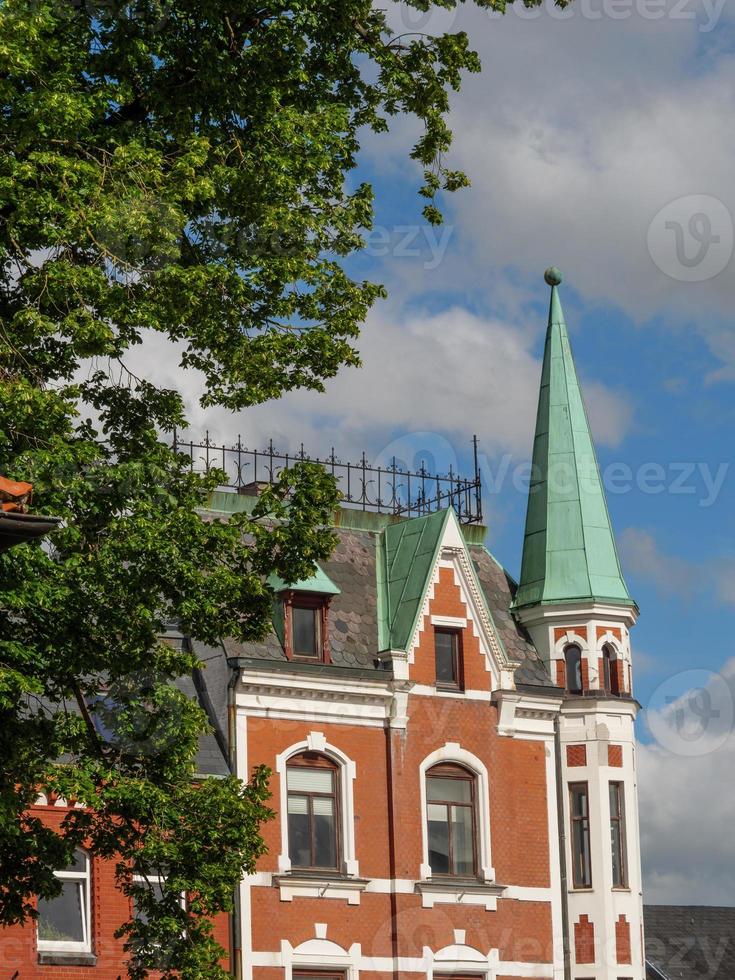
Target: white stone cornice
576	613
313	695
525	714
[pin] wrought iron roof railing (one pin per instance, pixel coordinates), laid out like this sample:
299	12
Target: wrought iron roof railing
383	489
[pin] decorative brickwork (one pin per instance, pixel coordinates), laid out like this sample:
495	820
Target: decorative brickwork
559	633
584	940
615	756
622	940
585	674
561	674
576	755
612	630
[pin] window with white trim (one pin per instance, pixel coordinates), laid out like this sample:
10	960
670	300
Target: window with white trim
448	658
64	921
617	835
155	885
312	781
579	806
451	821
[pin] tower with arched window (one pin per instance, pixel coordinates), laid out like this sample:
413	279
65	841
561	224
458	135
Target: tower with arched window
574	602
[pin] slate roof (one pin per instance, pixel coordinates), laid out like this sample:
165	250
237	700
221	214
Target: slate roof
499	590
209	688
353	613
686	942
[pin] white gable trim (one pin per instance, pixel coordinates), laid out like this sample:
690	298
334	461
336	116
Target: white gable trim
453	554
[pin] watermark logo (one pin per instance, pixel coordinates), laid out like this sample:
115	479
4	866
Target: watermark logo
691	239
694	723
705	15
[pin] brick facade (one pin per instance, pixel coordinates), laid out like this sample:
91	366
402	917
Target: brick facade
109	908
388	816
584	940
622	941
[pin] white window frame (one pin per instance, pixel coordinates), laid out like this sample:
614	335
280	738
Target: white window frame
67	946
157	880
452	752
316	742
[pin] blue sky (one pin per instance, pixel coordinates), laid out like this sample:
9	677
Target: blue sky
592	142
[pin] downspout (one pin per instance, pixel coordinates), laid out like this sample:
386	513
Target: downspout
562	849
236	917
392	849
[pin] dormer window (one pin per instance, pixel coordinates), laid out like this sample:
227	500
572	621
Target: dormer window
300	615
305	630
306	635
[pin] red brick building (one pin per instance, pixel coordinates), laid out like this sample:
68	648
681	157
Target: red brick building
453	753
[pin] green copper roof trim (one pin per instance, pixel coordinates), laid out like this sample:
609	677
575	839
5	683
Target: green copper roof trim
569	549
407	555
382	595
410	552
319	583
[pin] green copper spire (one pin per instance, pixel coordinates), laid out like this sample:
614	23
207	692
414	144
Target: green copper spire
569	550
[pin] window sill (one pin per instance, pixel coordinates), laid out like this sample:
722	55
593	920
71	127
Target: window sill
306	884
65	957
435	891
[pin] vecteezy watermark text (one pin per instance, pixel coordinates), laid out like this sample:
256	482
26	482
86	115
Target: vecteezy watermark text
706	13
701	481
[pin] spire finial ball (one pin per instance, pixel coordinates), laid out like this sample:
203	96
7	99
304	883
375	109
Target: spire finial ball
553	276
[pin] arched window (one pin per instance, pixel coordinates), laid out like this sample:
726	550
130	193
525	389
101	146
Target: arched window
451	821
313	812
573	659
610	670
64	921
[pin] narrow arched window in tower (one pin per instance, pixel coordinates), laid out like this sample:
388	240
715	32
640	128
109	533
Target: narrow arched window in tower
573	659
610	670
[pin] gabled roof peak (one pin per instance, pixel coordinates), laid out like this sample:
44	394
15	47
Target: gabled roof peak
569	549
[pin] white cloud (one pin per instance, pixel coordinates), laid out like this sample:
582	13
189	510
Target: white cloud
675	577
687	794
576	134
449	374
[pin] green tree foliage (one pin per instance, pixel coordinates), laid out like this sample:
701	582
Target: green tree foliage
182	167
